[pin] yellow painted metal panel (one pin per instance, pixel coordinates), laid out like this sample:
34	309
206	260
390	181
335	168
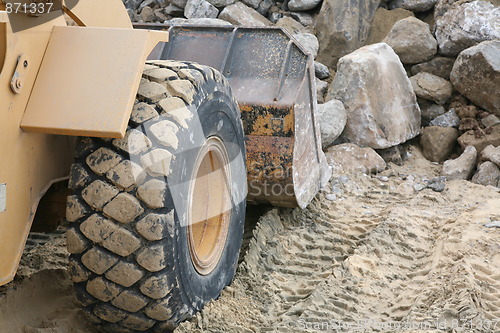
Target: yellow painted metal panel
88	81
98	13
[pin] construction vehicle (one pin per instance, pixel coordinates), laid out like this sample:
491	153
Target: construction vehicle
163	134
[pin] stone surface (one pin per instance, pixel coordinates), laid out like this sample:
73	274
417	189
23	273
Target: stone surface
415	5
431	87
412	41
449	119
487	174
200	9
492	154
430	111
437	143
382	110
439	66
476	74
302	5
240	14
291	25
343	27
309	42
466	24
461	167
479	139
348	157
332	118
321	71
321	88
490	120
383	21
305	19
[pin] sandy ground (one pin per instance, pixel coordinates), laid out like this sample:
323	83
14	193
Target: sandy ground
370	254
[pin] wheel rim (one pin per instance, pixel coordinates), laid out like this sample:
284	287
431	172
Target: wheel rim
209	206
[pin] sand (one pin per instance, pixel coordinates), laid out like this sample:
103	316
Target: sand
370	254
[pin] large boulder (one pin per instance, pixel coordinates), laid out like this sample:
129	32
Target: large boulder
348	157
466	24
462	167
431	87
438	143
412	41
332	119
240	14
382	109
309	42
476	75
383	21
342	27
439	66
415	5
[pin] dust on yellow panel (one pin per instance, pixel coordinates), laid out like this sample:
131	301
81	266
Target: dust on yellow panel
88	81
98	13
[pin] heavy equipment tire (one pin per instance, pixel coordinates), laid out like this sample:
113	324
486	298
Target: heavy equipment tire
139	260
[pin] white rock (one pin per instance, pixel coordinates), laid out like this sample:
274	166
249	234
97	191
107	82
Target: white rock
332	119
461	167
466	24
382	109
309	42
302	5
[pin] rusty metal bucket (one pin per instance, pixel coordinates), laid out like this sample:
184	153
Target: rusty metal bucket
272	78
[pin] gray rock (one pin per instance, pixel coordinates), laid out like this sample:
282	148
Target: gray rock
490	120
200	9
321	88
274	17
179	3
252	3
240	14
382	110
431	87
412	41
439	66
309	42
348	158
173	10
332	119
132	4
383	21
466	24
221	3
476	75
394	154
430	111
321	71
197	21
437	143
415	5
461	167
264	7
303	18
492	154
291	25
437	184
147	14
487	174
342	27
449	119
302	5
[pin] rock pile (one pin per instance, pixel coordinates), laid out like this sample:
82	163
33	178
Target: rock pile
387	71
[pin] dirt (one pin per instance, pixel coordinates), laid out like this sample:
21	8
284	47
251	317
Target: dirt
372	253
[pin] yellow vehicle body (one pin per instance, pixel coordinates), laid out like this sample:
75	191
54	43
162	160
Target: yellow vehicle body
43	92
59	81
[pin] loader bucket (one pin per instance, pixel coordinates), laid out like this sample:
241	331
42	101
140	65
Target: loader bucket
272	78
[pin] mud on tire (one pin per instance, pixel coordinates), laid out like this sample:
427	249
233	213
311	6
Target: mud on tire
137	260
